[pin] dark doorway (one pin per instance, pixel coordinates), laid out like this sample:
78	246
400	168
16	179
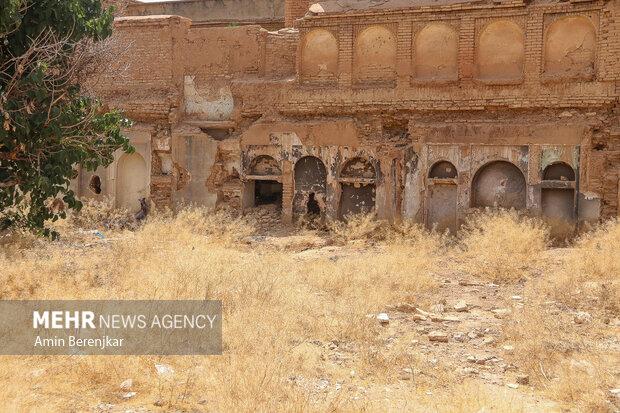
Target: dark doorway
310	186
267	193
313	207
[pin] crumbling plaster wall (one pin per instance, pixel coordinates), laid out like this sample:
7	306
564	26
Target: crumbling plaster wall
270	93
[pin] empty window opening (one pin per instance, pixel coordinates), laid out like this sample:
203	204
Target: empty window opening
313	207
95	184
559	172
443	170
267	193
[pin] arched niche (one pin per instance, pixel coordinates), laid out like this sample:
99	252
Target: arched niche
319	54
357	187
500	52
358	168
264	165
310	186
375	55
570	45
443	170
436	53
499	184
559	171
132	181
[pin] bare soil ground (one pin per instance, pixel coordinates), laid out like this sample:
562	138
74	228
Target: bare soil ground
358	318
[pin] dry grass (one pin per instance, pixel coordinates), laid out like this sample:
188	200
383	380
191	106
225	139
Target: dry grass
574	363
590	276
502	246
299	324
279	314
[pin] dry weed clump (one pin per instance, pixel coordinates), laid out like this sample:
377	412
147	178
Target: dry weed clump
590	274
569	362
502	246
102	215
356	227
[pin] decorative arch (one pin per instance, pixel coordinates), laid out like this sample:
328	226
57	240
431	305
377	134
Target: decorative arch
264	165
310	186
375	55
500	52
319	54
443	170
357	187
499	184
132	181
358	168
570	45
559	171
436	53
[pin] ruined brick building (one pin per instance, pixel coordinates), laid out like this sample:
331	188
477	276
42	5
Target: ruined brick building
421	109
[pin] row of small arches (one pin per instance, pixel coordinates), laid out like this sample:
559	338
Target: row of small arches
363	169
558	171
355	168
569	48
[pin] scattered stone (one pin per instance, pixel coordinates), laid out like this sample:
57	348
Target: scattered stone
472	334
582	317
471	359
438	308
164	370
508	348
126	385
383	318
488	340
615	392
565	114
418	317
517	297
158	403
512	385
523	379
129	395
501	312
461	306
438	336
202	401
406	374
469	371
460	337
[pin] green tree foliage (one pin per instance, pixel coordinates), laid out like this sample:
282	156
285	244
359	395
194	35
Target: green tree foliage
48	124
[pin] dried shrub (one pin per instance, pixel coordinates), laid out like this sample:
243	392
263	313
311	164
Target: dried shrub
502	246
590	276
101	215
356	227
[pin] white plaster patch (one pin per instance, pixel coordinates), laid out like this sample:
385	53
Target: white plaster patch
220	108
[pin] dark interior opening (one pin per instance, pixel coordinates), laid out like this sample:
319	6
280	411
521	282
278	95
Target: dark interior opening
267	193
95	184
313	205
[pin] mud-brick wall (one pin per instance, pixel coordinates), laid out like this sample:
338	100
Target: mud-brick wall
144	77
293	10
280	54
